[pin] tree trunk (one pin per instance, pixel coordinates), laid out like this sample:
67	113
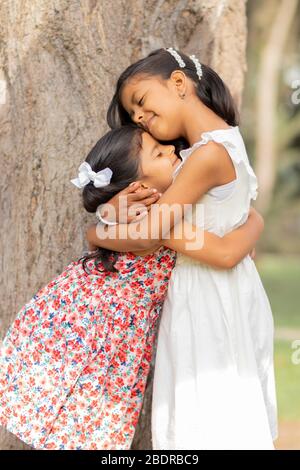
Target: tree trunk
59	61
267	96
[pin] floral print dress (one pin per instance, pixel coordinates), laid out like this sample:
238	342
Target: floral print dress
75	361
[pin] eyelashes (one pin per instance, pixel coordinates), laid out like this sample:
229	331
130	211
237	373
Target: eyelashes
140	104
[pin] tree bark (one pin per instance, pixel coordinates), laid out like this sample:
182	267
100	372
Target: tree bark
59	61
267	96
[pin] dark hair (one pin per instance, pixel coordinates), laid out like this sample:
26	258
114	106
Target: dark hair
119	150
211	89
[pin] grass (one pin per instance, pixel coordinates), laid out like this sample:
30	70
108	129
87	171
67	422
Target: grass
287	377
281	279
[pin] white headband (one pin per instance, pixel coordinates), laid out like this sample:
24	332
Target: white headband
182	63
86	174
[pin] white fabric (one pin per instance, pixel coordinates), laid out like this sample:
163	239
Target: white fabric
214	382
222	192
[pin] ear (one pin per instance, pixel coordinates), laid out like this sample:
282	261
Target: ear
179	81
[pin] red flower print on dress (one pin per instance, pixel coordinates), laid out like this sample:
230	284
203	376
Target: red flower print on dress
75	361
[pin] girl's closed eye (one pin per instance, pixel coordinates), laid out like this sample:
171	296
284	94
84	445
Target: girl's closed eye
140	103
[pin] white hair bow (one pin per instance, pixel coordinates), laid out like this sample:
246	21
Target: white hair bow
86	174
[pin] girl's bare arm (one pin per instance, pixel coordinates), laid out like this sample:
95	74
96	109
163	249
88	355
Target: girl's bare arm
201	172
223	252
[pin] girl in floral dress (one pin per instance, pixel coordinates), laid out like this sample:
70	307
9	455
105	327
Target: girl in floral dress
75	361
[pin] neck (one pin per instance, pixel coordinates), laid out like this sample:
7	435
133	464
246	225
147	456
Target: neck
198	118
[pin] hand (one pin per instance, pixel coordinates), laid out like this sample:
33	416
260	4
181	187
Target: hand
131	204
259	218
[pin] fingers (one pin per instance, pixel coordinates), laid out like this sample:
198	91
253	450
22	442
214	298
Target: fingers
137	192
140	216
136	217
138	201
137	212
150	200
144	194
136	209
131	188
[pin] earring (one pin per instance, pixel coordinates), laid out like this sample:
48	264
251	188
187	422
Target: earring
182	95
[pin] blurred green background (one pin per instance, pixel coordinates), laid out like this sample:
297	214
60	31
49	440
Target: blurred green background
270	123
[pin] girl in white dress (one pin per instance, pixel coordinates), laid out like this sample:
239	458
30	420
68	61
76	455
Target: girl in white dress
214	376
214	379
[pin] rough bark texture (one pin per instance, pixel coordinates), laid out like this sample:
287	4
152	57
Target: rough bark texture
59	60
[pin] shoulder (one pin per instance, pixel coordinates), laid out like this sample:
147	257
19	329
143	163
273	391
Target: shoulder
209	156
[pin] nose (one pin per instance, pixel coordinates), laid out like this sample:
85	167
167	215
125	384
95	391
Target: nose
171	149
140	119
137	120
168	151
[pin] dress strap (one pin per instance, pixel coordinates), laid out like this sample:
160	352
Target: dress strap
233	142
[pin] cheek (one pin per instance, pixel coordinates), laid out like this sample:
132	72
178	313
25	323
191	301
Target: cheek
165	176
165	127
160	128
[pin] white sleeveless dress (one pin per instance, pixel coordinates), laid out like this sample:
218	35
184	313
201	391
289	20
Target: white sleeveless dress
214	384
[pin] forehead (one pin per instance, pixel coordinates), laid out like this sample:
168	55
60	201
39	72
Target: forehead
148	140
